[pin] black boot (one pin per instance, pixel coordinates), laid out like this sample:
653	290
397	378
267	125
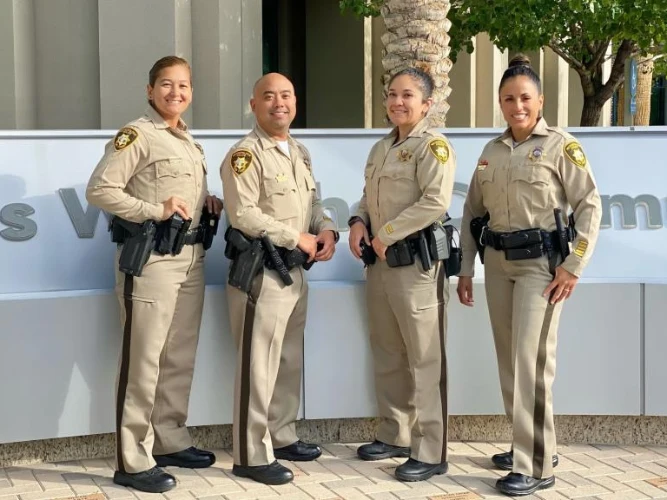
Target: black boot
273	473
505	461
298	452
515	484
153	480
190	458
377	450
414	470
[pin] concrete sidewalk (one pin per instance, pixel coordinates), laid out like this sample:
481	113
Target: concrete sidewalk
585	471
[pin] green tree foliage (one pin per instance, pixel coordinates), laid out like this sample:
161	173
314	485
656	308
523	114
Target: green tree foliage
579	31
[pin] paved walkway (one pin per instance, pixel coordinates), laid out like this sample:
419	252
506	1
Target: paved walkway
605	472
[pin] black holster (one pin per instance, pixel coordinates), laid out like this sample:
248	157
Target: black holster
208	225
477	227
247	259
171	235
137	241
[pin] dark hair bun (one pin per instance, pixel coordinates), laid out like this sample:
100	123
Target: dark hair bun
519	60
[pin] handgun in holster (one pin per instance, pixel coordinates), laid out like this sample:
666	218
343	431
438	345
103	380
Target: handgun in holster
247	257
137	243
208	226
477	227
564	232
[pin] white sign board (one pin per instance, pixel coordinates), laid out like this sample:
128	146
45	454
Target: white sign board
50	240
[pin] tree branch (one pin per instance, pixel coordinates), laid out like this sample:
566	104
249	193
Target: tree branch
598	55
578	67
617	74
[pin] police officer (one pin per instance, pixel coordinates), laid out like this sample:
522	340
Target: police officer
268	186
409	182
154	169
521	177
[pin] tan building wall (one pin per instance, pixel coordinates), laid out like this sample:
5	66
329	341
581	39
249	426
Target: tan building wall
83	64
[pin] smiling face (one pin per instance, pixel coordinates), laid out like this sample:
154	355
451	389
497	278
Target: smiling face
521	103
274	105
172	93
406	105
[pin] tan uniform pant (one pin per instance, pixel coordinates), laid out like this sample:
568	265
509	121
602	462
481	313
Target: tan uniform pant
160	314
408	325
525	332
268	325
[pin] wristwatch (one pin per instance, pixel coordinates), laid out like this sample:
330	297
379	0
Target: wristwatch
353	220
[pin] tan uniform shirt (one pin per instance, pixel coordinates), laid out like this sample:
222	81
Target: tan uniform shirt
520	187
265	190
408	184
147	163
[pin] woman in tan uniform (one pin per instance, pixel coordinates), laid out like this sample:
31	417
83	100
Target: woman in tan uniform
409	183
152	170
521	178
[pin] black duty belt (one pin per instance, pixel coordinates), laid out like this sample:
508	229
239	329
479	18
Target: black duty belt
524	244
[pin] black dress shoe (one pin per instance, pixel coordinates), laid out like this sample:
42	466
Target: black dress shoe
519	485
298	452
268	474
505	461
190	458
414	470
377	450
153	480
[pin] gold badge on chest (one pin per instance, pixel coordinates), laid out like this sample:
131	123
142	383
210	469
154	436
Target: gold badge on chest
404	155
536	154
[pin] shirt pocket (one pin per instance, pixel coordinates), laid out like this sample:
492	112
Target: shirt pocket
531	186
281	198
486	179
173	178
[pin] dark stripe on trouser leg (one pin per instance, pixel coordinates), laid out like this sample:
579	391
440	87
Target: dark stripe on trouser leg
442	282
540	395
128	288
246	350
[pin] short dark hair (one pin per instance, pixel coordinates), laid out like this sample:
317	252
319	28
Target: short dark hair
520	66
423	79
166	62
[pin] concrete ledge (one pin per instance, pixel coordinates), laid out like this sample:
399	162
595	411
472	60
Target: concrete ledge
620	430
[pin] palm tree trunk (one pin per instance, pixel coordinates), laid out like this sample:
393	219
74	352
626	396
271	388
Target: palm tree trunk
644	86
417	37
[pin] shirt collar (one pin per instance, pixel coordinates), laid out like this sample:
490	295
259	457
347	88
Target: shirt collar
541	128
266	140
160	123
417	131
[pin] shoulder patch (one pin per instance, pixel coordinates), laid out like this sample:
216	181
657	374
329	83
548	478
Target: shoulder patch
241	161
574	152
124	138
439	149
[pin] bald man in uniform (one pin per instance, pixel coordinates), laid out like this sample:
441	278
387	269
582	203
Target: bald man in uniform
268	186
